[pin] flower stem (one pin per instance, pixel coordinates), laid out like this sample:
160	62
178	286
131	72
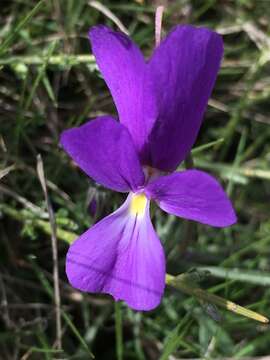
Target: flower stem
118	330
56	286
180	282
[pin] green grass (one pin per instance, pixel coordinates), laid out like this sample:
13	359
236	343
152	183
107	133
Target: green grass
49	82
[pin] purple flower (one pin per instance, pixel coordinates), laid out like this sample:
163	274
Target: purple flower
160	103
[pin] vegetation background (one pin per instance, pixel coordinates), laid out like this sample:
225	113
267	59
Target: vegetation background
49	82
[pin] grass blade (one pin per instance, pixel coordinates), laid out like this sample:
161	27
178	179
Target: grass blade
6	43
118	330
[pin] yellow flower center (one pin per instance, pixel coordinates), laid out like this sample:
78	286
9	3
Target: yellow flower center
138	204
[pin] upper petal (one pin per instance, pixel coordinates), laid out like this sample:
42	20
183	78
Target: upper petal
124	70
193	195
122	256
183	69
103	148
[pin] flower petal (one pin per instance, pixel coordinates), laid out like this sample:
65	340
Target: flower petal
184	69
193	195
124	70
103	148
122	256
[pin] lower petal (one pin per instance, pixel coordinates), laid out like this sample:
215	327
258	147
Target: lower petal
122	256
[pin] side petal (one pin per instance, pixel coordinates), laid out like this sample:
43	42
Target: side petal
122	256
193	195
184	69
124	70
103	148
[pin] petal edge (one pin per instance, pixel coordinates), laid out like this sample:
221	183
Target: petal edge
115	257
104	150
183	69
193	195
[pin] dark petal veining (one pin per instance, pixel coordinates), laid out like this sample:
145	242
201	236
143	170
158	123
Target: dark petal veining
122	256
183	69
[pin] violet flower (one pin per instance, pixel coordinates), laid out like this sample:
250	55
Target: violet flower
160	103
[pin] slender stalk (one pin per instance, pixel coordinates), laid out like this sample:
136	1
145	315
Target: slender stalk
250	277
60	59
180	282
109	14
230	170
158	24
4	172
118	330
6	43
57	301
23	217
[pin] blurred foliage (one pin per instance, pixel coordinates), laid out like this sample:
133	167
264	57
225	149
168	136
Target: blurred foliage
49	82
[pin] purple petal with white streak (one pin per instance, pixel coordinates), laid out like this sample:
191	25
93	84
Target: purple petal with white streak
122	256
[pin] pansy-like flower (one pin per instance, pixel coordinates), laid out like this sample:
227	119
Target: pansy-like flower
160	103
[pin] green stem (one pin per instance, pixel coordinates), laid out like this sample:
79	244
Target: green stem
230	170
60	59
250	277
118	330
6	43
180	282
43	225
